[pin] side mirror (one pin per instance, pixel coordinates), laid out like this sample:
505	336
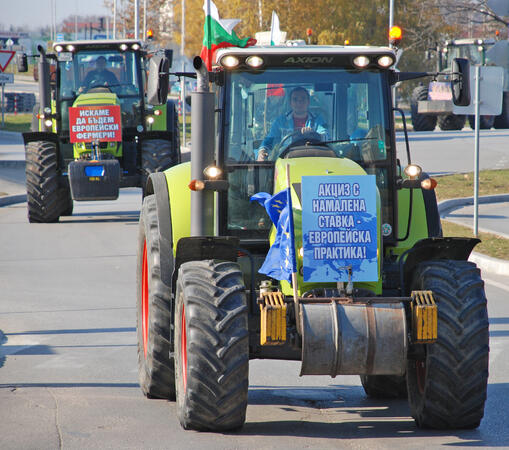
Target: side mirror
169	54
22	63
158	80
460	82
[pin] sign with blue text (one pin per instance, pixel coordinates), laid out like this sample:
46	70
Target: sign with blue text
339	228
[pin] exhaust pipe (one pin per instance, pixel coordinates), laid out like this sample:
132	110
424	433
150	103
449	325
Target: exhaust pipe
44	84
202	151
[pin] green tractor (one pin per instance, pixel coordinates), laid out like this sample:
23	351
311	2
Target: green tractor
94	130
433	104
355	278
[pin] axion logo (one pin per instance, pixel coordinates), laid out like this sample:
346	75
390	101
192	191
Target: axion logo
308	59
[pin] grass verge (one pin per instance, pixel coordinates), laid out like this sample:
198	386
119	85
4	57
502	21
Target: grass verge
18	122
491	182
491	245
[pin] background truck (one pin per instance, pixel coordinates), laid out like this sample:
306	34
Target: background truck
93	130
363	283
432	104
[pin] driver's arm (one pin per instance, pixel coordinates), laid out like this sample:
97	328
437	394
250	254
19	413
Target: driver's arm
321	128
271	138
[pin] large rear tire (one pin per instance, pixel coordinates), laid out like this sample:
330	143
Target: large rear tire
157	155
485	123
43	199
384	386
421	122
447	388
211	346
502	121
449	122
156	370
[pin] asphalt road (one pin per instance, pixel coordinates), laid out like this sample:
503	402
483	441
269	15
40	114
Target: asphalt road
493	218
439	152
68	376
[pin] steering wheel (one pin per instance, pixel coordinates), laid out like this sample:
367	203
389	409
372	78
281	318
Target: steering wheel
280	150
95	84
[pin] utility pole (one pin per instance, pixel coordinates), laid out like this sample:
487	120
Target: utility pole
182	80
136	19
391	14
114	19
144	19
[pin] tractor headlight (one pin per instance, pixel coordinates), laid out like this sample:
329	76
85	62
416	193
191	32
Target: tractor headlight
70	48
385	61
58	48
230	61
361	61
212	172
254	62
150	120
123	47
413	171
48	122
135	46
47	110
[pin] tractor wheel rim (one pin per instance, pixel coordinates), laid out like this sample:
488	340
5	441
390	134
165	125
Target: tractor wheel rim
420	371
144	298
183	349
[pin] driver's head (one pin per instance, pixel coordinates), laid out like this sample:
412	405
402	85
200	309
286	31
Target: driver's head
299	100
100	63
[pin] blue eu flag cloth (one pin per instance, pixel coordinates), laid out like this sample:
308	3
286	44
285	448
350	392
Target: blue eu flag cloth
280	262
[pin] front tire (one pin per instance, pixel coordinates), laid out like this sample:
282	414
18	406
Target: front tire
43	199
211	346
447	388
156	370
421	122
450	122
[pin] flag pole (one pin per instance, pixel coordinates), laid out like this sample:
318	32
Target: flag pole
294	255
209	34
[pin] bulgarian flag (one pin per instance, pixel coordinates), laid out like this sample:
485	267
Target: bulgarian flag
275	33
218	33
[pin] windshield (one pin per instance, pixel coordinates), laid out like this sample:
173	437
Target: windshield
101	71
269	113
266	109
471	52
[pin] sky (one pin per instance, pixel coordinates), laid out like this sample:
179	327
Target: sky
37	13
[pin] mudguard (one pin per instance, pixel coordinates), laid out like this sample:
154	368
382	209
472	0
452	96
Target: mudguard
436	248
156	184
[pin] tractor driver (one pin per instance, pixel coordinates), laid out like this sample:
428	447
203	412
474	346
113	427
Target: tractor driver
297	121
100	76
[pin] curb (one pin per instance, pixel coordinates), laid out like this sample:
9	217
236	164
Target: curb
454	203
486	263
12	199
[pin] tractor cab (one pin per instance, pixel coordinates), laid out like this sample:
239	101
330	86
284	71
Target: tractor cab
100	73
348	116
